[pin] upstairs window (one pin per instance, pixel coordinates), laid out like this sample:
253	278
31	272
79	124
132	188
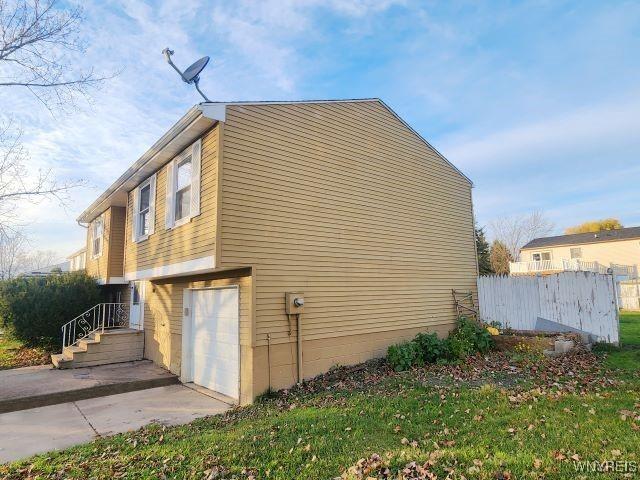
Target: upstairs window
576	252
97	232
144	209
143	222
539	256
183	187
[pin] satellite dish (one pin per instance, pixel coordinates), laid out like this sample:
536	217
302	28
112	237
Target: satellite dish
192	74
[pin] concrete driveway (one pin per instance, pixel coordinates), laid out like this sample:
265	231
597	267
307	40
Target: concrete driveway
54	427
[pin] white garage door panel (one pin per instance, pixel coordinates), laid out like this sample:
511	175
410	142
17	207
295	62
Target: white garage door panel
215	340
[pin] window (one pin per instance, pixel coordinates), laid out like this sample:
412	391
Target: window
576	252
539	256
135	294
97	230
144	209
183	187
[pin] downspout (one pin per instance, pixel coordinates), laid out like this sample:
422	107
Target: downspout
300	372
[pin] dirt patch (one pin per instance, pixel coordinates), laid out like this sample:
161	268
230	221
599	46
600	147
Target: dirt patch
506	343
25	357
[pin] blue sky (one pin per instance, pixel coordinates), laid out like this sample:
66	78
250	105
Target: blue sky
537	102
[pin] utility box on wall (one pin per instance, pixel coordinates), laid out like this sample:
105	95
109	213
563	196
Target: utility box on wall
294	303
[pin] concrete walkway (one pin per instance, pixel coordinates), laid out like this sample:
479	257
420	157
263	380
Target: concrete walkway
31	387
38	430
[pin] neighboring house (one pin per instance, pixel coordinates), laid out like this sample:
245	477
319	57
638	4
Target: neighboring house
44	271
260	243
595	251
78	260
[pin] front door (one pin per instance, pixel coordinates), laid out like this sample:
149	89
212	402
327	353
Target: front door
215	340
136	309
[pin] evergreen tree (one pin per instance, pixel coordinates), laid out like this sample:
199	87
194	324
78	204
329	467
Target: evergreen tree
500	258
482	247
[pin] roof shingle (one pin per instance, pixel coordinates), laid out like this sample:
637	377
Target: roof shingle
583	238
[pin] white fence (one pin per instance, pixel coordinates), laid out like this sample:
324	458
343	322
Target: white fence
629	294
582	301
573	265
560	265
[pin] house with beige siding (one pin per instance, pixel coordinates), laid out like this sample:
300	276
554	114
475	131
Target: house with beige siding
618	250
78	260
256	244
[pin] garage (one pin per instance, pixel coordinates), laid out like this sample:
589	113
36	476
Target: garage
213	355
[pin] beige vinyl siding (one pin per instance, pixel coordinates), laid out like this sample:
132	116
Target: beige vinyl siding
623	252
192	240
97	267
116	242
110	262
344	203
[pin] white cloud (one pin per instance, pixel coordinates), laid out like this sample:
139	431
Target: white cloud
609	126
530	116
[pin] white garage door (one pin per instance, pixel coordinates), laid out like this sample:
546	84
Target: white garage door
215	340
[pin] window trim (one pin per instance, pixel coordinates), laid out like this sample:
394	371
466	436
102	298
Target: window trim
135	227
195	151
177	162
579	257
540	253
94	223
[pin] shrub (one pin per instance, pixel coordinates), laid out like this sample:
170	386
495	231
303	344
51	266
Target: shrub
431	348
480	339
459	346
468	338
403	356
35	309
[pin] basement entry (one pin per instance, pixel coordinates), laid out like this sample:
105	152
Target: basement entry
215	342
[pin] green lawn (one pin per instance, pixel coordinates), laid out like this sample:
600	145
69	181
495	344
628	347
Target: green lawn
14	354
630	329
627	357
489	418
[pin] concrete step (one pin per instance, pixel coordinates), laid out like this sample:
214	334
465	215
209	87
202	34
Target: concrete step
102	348
74	349
60	361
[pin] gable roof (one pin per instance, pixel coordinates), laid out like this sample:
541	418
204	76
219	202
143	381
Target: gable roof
193	124
585	238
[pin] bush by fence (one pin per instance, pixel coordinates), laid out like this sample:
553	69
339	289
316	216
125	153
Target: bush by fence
34	309
468	338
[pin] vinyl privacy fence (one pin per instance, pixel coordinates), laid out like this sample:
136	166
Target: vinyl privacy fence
582	301
629	294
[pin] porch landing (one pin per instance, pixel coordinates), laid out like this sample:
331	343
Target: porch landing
30	387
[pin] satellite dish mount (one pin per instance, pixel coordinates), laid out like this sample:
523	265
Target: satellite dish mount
192	74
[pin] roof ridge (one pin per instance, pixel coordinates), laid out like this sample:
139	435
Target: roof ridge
625	233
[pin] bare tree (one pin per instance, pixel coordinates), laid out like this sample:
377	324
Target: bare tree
38	260
17	185
514	232
36	38
17	258
37	41
12	250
